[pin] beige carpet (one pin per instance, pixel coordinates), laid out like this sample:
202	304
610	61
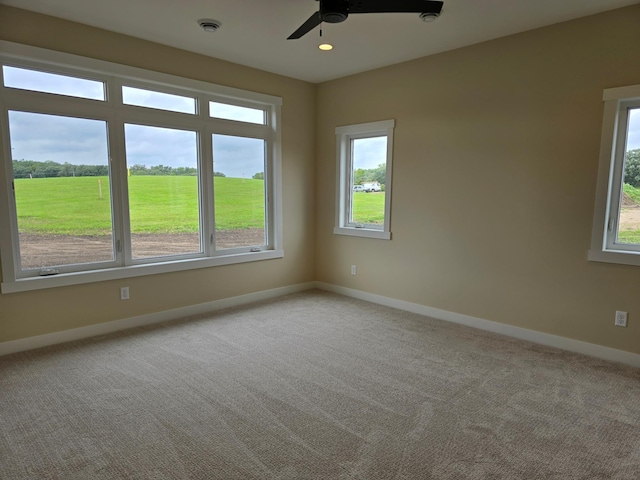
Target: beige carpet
315	385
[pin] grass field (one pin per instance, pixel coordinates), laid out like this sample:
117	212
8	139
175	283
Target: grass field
158	204
72	206
368	208
629	232
633	192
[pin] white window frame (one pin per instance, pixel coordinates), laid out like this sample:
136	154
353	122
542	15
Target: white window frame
117	114
604	247
344	189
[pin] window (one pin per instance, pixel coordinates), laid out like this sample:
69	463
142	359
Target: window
239	193
616	226
363	202
37	81
163	101
162	171
112	172
62	198
237	113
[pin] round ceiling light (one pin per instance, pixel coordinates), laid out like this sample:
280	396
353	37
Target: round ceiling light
325	46
209	25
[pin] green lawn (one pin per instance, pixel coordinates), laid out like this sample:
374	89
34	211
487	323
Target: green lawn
368	208
630	236
168	204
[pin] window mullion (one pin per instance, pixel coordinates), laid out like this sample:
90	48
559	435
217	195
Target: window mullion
122	236
207	190
617	185
348	187
122	209
9	241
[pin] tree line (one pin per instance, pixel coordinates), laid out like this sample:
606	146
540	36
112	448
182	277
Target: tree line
378	174
33	169
48	169
632	168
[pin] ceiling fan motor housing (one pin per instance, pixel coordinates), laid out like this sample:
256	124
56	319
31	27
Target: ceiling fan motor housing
334	11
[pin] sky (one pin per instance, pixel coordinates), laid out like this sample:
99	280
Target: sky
78	141
633	132
370	152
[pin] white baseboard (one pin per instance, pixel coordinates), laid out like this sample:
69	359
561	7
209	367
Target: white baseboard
562	343
547	339
123	324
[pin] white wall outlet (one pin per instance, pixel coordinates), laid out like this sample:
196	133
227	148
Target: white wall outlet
621	319
353	270
124	293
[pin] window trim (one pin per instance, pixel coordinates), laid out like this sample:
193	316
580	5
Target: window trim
613	136
114	76
344	189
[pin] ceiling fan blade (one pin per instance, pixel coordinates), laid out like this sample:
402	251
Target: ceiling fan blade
313	21
398	6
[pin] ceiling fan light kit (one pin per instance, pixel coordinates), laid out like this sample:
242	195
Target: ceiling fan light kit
336	11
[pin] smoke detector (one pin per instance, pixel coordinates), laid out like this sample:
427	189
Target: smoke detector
429	17
209	25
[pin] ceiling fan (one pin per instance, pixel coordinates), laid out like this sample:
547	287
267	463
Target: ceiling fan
336	11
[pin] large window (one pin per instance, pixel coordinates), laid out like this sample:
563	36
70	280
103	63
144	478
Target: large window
363	203
113	172
616	231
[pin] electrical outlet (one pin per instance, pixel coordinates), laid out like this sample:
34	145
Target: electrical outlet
621	319
353	270
124	293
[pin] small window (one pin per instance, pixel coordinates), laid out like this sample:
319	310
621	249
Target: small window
364	179
37	81
162	101
616	234
237	113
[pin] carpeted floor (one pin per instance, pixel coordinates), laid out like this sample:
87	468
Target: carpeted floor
315	385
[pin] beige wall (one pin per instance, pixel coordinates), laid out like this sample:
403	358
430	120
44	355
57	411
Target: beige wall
34	313
494	174
496	151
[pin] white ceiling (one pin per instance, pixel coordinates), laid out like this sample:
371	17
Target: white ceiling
254	32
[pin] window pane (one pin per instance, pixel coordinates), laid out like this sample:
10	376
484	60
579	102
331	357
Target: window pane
239	191
163	191
369	157
233	112
159	100
63	201
629	224
25	79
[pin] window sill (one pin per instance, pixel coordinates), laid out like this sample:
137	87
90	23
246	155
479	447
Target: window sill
362	232
77	278
619	257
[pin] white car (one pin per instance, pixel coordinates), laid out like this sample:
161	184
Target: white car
358	188
372	187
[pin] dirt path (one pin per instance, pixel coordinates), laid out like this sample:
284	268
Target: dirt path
39	251
630	218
